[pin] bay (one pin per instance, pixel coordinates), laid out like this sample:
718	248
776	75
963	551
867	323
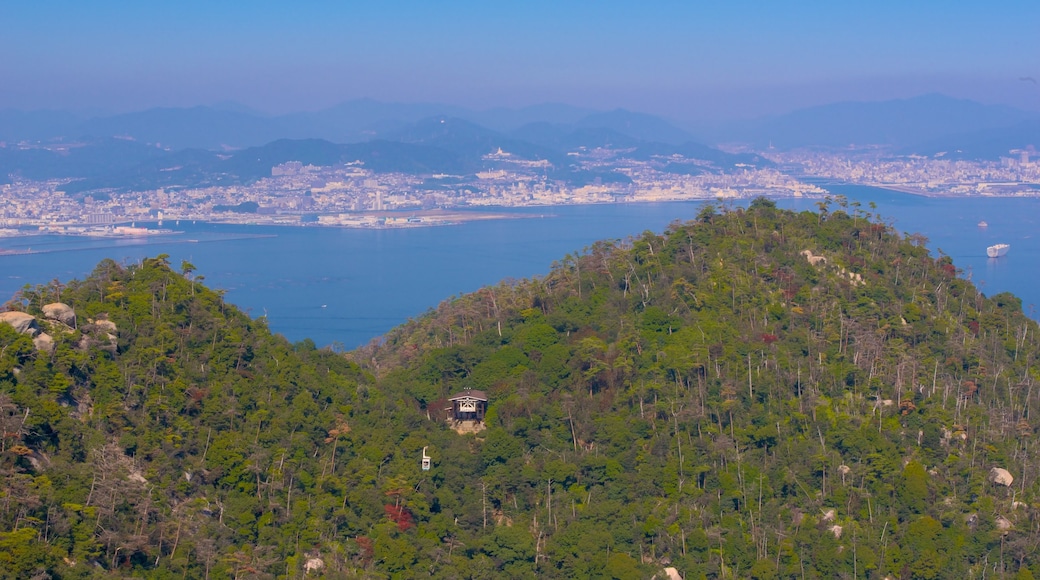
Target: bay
348	286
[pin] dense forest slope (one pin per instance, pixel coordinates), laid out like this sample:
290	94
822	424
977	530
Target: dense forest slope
754	394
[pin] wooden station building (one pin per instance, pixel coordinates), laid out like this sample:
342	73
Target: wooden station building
468	406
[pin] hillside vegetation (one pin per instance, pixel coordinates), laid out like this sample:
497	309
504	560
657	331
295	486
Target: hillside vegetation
754	394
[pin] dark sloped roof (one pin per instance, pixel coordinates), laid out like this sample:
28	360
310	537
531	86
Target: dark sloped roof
479	395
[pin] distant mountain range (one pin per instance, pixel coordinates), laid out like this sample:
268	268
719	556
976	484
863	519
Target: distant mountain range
201	168
991	143
92	158
166	147
231	126
912	125
904	123
229	143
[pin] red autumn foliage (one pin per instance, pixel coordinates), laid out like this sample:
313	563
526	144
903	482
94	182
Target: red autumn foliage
400	516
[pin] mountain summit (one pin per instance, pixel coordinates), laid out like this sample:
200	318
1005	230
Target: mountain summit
757	393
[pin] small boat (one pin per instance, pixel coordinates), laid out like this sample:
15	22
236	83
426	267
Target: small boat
983	224
997	250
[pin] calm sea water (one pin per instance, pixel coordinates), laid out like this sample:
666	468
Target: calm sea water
349	286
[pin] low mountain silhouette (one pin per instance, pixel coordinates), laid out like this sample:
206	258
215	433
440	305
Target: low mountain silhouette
508	120
898	123
87	158
568	138
639	125
986	144
233	125
16	126
472	141
196	168
571	138
182	128
361	120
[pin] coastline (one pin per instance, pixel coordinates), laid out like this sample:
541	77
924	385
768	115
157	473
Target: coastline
908	190
368	278
920	192
824	183
387	220
404	219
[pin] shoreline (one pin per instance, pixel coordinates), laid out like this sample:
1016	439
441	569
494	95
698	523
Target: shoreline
894	187
911	190
347	265
393	219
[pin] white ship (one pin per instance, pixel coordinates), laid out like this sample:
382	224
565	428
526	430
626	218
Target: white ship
983	224
997	250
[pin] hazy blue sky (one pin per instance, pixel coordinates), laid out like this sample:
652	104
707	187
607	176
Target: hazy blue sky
688	60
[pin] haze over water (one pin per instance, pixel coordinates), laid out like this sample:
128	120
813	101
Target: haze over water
348	286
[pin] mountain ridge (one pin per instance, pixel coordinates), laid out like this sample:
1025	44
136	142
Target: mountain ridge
897	123
755	393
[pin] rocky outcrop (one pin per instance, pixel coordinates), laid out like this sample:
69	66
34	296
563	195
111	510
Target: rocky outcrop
60	312
814	260
854	277
1003	524
101	333
313	565
22	322
108	327
44	342
1000	476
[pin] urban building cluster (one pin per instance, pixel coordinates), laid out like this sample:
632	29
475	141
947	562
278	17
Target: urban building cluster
1017	174
350	195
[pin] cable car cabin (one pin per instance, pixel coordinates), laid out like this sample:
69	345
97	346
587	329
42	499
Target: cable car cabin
425	460
467	410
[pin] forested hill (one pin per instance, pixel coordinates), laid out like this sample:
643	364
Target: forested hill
754	394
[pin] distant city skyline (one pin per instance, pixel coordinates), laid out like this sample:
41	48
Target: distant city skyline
685	61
